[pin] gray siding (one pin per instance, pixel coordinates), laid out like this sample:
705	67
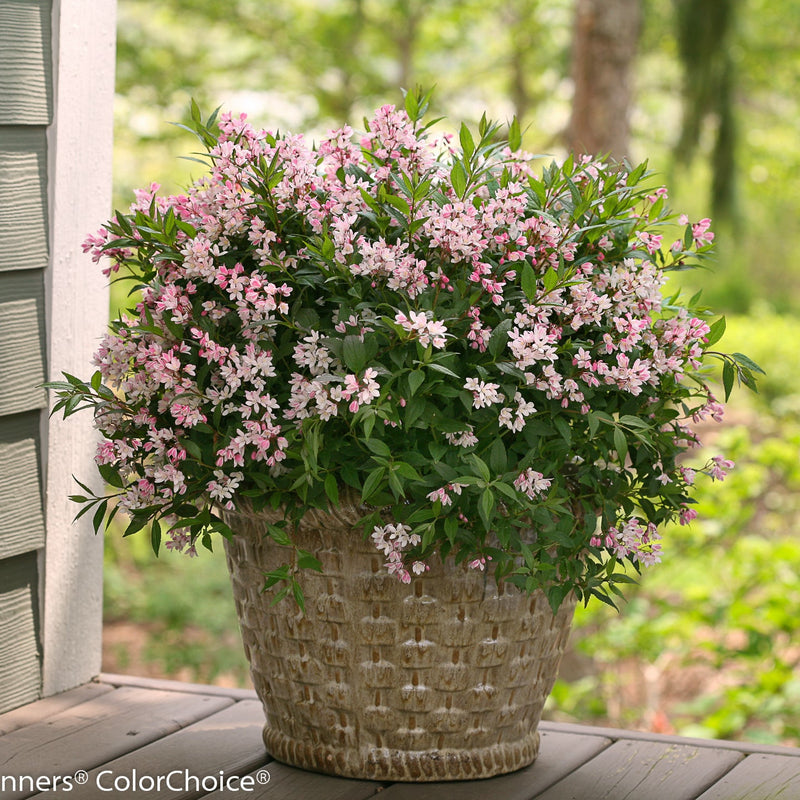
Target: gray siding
20	673
23	197
22	528
22	367
25	112
26	84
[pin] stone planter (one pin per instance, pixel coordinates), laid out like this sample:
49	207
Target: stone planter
442	679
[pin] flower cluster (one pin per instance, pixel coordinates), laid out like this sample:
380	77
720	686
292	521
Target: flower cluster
482	351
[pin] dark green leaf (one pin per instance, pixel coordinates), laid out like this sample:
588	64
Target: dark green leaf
499	337
279	535
486	507
415	380
332	489
373	482
155	536
620	444
379	447
744	361
306	560
99	514
354	353
728	378
528	282
498	458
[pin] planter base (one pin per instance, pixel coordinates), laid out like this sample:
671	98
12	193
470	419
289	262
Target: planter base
384	764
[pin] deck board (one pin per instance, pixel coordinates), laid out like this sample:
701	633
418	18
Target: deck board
289	783
90	734
233	735
759	777
121	725
50	706
629	770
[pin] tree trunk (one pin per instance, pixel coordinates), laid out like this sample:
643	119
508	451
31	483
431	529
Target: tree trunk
605	38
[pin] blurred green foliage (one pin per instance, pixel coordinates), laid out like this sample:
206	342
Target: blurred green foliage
193	634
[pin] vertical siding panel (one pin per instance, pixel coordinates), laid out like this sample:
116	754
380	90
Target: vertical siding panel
20	680
26	85
23	198
22	346
21	513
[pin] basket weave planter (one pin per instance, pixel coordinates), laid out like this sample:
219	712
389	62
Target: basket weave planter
442	679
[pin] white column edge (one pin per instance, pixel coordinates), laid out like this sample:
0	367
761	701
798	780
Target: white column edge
76	305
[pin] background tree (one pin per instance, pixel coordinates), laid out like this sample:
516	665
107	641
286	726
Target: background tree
606	34
705	31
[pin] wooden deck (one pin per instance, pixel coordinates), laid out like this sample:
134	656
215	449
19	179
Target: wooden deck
120	727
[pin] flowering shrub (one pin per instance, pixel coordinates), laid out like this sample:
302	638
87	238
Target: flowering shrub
480	353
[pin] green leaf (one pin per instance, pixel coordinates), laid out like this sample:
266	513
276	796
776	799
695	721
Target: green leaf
195	112
444	370
372	483
480	464
280	595
467	142
414	410
155	536
415	380
633	422
274	576
135	525
499	337
306	560
192	448
486	507
716	332
354	353
99	514
504	488
550	280
459	178
406	470
451	528
279	535
563	427
380	448
299	597
528	282
395	484
412	105
514	135
399	203
744	361
498	458
368	422
620	444
728	378
332	489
